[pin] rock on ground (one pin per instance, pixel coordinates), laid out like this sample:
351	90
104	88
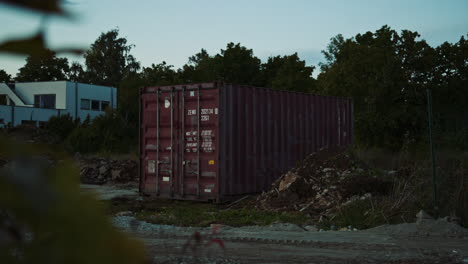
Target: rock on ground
100	170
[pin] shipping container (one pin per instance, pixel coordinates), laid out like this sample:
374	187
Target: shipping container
217	141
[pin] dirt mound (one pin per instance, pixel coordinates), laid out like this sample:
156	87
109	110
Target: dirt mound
100	171
323	181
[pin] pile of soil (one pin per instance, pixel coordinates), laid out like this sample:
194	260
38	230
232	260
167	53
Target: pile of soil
100	171
322	182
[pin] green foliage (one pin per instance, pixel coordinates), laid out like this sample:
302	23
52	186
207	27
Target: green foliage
412	189
387	75
43	67
83	140
109	60
186	213
453	184
235	64
160	74
128	98
200	68
61	126
52	221
4	76
105	133
76	73
410	193
288	73
245	217
450	94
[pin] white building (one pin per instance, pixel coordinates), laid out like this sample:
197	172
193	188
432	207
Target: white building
36	102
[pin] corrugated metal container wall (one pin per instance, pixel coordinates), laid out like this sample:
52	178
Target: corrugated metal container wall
216	141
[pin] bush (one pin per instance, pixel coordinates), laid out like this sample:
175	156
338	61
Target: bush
106	133
62	126
83	140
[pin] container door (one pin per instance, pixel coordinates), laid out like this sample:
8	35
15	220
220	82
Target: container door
199	143
159	142
179	142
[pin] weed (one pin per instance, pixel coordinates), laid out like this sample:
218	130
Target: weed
187	213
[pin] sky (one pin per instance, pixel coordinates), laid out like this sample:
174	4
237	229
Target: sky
173	30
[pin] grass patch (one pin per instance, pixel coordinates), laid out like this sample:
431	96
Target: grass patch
188	213
233	217
363	214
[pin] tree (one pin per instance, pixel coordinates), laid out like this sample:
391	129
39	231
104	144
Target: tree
128	98
160	74
386	74
4	76
76	73
200	68
332	51
109	59
287	73
235	64
45	66
450	93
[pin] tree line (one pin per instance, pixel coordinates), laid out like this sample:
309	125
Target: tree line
386	73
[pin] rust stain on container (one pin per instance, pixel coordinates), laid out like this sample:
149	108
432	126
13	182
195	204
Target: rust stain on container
216	141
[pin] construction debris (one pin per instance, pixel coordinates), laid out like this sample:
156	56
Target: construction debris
322	182
100	171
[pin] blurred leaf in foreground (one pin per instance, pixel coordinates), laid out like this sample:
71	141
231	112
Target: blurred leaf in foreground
44	218
42	6
34	45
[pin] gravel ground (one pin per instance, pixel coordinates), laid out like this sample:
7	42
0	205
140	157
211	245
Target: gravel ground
428	241
281	243
108	192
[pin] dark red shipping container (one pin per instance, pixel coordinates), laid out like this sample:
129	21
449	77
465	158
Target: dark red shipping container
216	141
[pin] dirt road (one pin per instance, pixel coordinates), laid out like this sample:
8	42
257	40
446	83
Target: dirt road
391	244
431	241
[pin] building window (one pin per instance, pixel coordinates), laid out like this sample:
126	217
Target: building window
85	104
3	99
44	100
2	121
104	105
95	105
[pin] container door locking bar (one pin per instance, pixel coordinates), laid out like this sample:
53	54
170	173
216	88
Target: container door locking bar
182	169
157	140
171	175
198	140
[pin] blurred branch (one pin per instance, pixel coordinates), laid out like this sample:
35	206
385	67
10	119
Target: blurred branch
41	6
34	45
